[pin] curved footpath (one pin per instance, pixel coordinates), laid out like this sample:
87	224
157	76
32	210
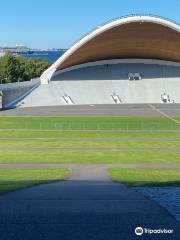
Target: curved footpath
86	207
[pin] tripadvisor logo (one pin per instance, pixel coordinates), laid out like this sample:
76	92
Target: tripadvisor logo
139	231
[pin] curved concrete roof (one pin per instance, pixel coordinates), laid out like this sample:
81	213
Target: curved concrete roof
133	37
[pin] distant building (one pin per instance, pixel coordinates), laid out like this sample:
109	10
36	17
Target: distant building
14	49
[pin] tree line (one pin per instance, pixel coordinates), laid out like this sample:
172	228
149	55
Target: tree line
19	69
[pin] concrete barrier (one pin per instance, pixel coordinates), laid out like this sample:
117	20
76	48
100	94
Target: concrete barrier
13	93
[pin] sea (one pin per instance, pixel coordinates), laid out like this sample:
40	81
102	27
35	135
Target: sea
51	56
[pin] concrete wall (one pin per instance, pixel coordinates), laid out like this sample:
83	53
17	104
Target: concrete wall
97	84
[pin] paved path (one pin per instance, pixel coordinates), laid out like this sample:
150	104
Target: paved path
97	110
87	207
85	167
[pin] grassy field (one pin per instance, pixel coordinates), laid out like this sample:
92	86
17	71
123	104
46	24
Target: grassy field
13	179
36	134
89	151
94	144
88	123
92	157
51	140
47	146
146	177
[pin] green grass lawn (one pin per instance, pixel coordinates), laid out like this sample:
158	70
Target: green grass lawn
86	157
39	146
68	134
13	179
89	144
146	177
95	123
49	150
44	141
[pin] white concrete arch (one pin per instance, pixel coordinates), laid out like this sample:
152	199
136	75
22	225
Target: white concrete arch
47	75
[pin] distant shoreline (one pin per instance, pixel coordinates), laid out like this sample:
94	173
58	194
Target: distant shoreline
51	55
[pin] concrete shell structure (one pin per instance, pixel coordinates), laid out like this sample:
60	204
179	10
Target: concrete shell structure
132	37
135	59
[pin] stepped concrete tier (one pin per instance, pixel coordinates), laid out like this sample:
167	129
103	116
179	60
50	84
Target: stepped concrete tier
106	82
135	59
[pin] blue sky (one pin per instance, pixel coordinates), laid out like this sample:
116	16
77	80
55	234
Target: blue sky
58	23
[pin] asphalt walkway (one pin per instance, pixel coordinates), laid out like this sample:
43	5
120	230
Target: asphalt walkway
170	110
86	207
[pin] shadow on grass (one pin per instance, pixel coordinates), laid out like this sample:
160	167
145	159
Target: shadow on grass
11	186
